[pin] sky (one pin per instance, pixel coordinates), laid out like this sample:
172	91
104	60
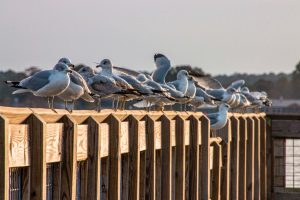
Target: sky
221	37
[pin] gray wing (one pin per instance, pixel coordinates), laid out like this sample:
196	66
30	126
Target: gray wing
217	93
37	81
76	78
160	74
127	71
207	82
213	117
237	84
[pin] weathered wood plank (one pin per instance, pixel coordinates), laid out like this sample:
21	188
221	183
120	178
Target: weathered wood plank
56	181
194	158
250	158
84	180
263	157
286	128
257	162
124	176
4	158
243	159
142	175
37	130
180	159
104	178
205	158
217	165
134	157
235	131
114	172
94	158
166	151
68	158
82	141
150	158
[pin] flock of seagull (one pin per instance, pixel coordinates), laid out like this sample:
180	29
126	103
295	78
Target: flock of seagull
122	85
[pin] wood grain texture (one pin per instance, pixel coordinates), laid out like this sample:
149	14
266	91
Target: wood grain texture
82	142
53	142
142	186
250	158
93	159
263	157
286	128
37	141
194	158
235	150
134	157
180	159
243	159
150	158
68	158
205	158
4	158
166	151
216	176
114	172
257	160
104	179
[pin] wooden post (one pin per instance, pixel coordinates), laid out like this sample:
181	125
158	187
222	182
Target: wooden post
235	150
270	159
263	157
134	158
93	161
205	158
124	176
4	154
114	157
150	158
257	163
243	159
250	158
104	178
217	164
180	159
68	158
194	158
37	138
166	155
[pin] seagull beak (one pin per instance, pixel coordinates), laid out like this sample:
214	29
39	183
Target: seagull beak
98	66
71	66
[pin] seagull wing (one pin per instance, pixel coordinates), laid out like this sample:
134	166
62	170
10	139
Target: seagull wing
206	82
37	81
127	71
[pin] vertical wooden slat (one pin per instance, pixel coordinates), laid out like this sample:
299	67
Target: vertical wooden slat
243	159
250	158
166	151
235	131
4	153
180	159
25	183
217	164
134	158
150	158
225	134
142	175
114	172
104	178
270	160
158	171
124	176
68	158
84	180
194	158
257	162
56	181
205	158
263	157
37	138
93	160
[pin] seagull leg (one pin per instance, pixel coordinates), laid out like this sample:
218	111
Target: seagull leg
124	105
99	105
66	105
72	104
52	105
117	104
113	103
49	106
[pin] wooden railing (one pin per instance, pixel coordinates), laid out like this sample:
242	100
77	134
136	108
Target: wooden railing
130	155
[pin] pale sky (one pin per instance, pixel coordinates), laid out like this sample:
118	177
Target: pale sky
221	36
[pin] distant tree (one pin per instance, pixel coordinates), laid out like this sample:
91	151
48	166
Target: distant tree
31	70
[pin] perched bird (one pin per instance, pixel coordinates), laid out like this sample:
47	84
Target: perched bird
219	119
257	99
77	87
47	83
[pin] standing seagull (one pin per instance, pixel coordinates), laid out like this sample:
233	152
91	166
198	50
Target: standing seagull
47	83
219	119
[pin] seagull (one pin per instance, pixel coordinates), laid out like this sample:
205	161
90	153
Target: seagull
47	83
219	119
66	61
257	99
163	65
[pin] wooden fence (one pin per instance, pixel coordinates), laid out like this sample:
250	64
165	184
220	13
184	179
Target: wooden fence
130	155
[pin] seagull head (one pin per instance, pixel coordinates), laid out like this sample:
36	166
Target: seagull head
161	60
105	64
86	72
141	77
182	74
231	90
245	90
62	68
224	107
66	61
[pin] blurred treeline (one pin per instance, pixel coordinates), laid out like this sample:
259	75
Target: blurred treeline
280	85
